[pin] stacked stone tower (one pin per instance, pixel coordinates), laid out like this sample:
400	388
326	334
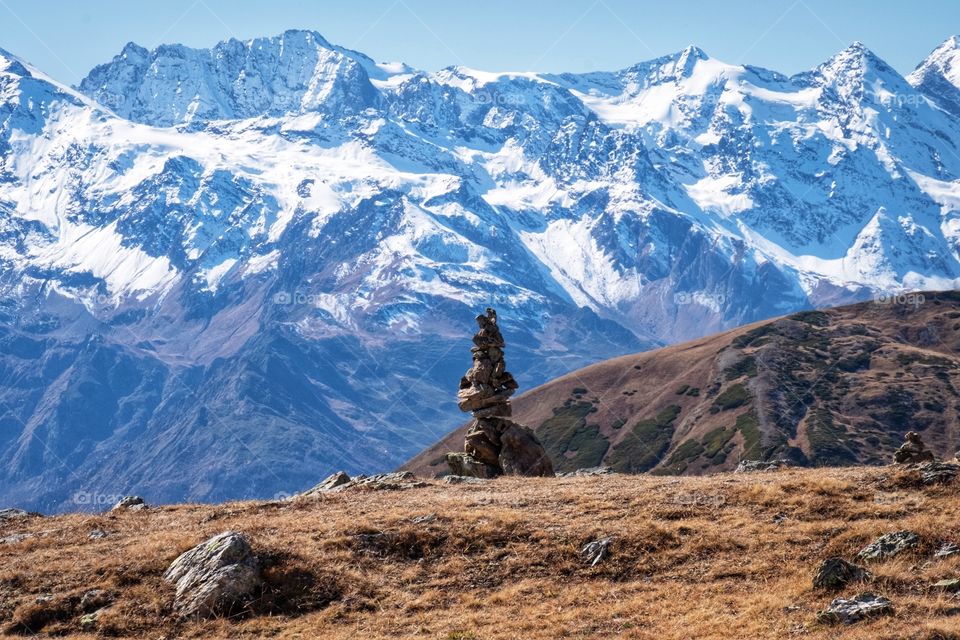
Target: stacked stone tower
494	443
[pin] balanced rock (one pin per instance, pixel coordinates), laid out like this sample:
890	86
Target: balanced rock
912	451
216	577
836	573
860	607
494	444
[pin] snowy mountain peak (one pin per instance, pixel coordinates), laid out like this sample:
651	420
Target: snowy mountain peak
692	52
294	72
9	63
856	59
938	76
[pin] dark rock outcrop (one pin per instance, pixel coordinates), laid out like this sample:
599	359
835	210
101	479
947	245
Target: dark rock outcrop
836	573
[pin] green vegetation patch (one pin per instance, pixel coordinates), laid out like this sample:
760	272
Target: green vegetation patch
714	441
646	443
571	442
755	337
688	451
814	318
912	357
735	396
749	426
829	442
744	367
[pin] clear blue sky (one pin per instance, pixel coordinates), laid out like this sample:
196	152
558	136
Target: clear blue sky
65	39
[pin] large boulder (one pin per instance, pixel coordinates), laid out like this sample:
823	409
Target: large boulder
217	577
522	454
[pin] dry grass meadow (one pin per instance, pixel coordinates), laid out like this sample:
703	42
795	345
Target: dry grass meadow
725	556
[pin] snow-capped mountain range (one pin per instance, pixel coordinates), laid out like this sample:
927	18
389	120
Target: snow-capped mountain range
227	272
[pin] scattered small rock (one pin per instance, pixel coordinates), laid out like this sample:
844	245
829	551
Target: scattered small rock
588	471
16	537
747	466
97	534
836	573
130	503
860	607
95	599
889	545
430	517
340	481
951	585
215	577
463	480
88	621
946	550
596	551
333	481
12	514
389	481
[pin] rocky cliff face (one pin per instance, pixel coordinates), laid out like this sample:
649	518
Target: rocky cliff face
220	267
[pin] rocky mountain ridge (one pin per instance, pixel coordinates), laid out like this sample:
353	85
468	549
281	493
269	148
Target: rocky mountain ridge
256	262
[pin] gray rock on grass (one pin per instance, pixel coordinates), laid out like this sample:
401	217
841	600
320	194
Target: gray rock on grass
889	545
216	577
860	607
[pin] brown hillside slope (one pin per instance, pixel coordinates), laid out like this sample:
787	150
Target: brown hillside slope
715	557
832	387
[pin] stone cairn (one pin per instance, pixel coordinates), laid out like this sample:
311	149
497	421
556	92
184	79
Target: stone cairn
913	451
495	445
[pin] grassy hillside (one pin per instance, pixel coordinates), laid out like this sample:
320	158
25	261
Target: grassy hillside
722	556
834	387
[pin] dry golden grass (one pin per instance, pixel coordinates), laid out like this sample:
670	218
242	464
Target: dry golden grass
727	556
